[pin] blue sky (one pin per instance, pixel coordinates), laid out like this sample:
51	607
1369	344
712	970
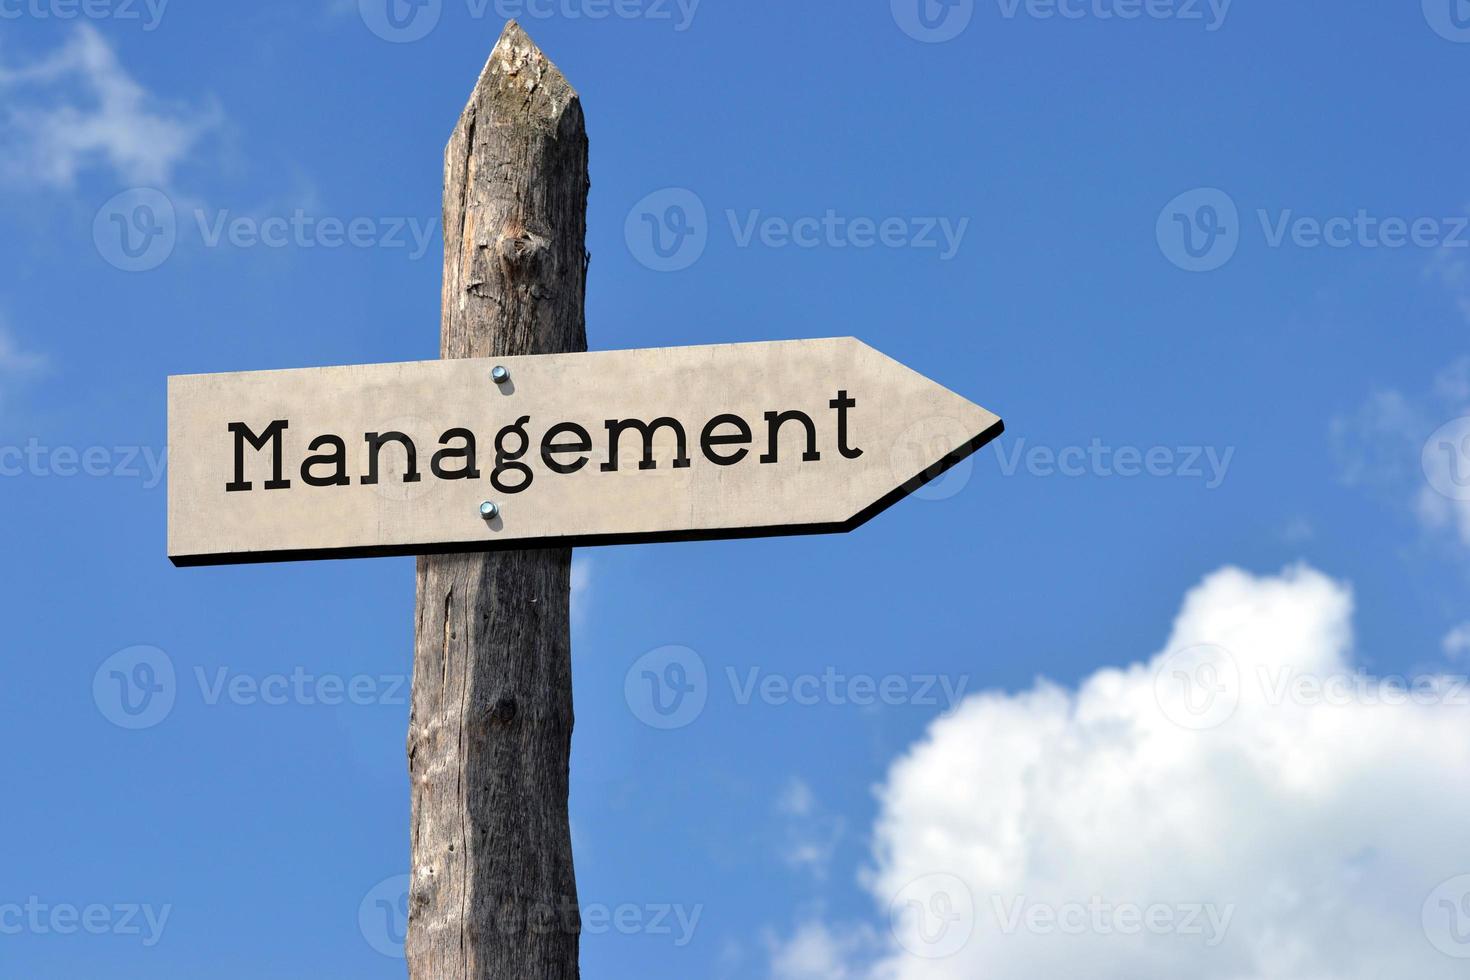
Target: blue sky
1229	240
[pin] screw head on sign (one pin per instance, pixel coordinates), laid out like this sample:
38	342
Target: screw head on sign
489	511
500	375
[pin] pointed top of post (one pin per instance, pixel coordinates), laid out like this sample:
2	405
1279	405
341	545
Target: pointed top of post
518	78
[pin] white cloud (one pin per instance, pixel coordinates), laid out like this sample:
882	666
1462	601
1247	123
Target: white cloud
797	800
812	834
1415	450
16	363
1457	642
1301	836
581	585
13	360
1452	271
79	108
814	953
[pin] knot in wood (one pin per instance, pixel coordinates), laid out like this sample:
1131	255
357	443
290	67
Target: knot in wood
503	712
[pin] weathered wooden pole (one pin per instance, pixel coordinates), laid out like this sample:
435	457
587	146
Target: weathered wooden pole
493	893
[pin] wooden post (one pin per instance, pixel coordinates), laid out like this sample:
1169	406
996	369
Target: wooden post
493	893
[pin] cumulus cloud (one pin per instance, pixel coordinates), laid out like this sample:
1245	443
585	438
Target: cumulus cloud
79	108
1246	804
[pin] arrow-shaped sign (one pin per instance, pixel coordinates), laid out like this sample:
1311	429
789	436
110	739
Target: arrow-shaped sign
433	457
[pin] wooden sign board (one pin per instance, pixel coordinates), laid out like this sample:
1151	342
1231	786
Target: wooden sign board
610	447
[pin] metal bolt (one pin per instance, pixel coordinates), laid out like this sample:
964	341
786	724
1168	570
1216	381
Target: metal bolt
500	375
489	511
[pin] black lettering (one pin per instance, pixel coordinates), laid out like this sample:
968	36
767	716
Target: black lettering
509	462
842	403
243	434
469	472
708	440
778	419
616	428
337	457
550	449
376	440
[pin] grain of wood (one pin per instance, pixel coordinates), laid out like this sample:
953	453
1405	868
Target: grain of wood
493	893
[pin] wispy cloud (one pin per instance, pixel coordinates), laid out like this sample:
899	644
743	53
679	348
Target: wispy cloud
1414	449
812	834
1451	269
581	586
79	109
16	363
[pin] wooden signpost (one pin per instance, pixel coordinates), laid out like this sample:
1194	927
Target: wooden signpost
575	449
491	463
